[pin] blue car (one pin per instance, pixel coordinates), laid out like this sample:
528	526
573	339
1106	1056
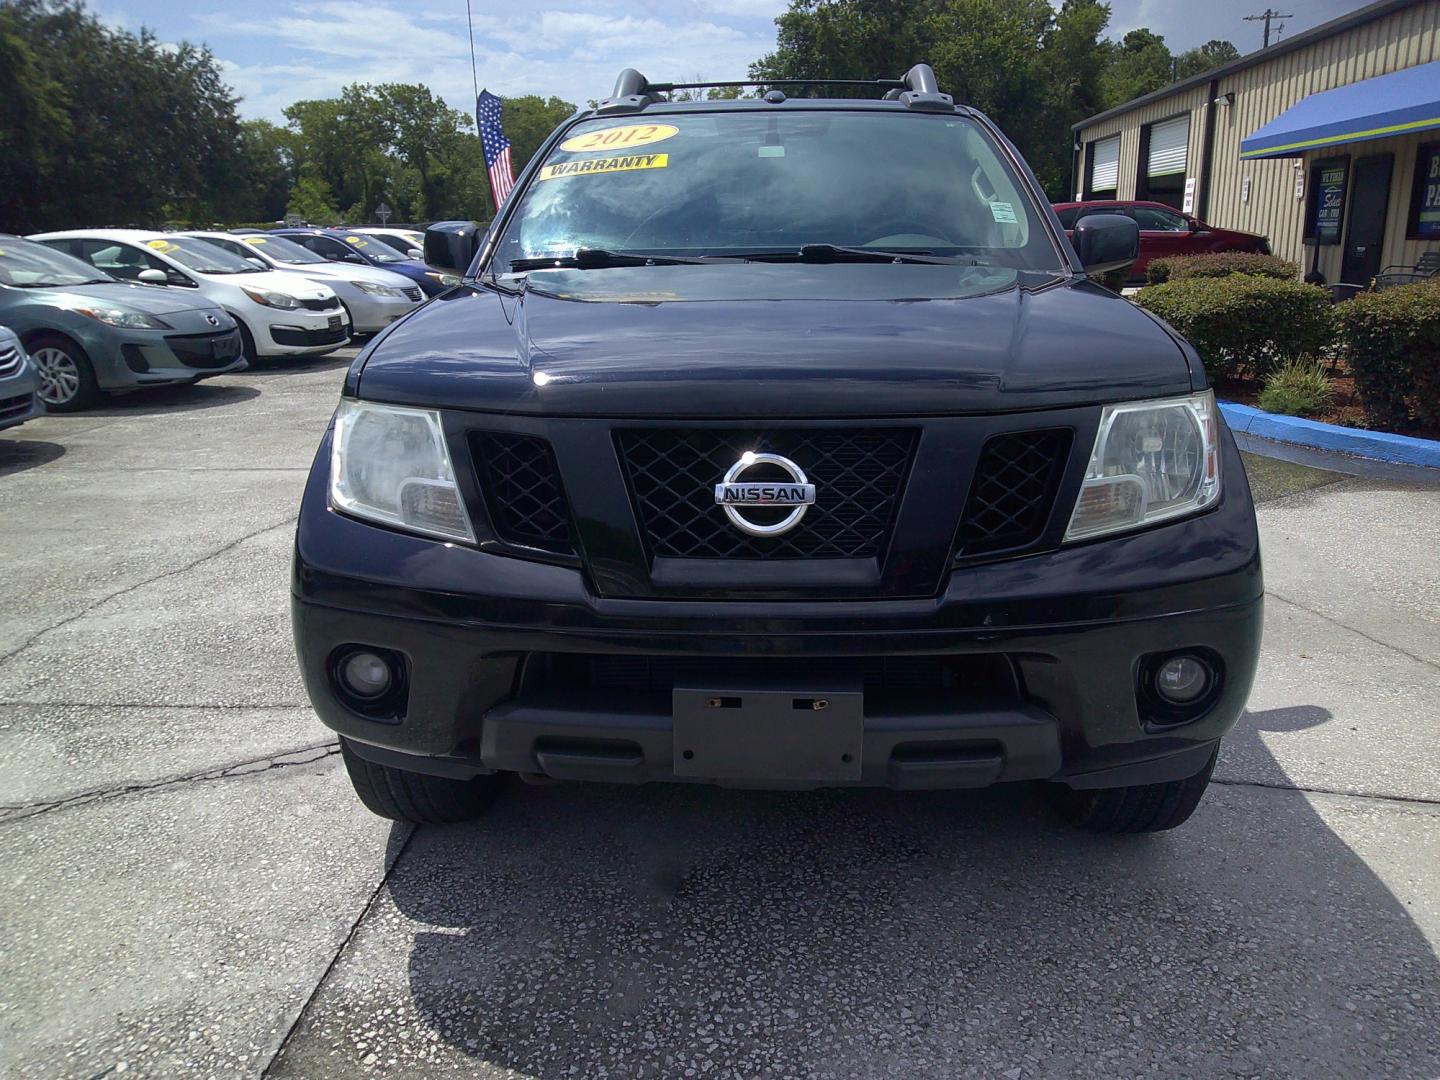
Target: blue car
364	250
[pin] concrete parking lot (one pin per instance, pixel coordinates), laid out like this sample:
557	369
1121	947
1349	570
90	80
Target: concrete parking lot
190	888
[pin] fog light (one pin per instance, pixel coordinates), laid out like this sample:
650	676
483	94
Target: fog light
366	675
1182	679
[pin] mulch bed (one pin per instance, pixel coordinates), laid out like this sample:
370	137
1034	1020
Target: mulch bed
1345	410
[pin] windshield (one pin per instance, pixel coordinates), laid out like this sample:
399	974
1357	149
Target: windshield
200	256
404	243
26	264
750	181
282	250
374	250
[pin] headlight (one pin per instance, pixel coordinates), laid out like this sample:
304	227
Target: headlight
390	464
1153	460
280	300
448	280
378	290
129	320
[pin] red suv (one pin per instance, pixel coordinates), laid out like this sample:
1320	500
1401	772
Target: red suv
1163	231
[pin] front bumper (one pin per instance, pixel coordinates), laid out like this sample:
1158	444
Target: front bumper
18	400
1047	652
373	313
129	359
304	333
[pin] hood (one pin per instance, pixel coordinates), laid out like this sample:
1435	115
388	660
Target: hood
781	340
149	299
285	281
347	272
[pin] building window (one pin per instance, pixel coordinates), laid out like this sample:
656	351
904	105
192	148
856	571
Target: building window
1164	157
1425	194
1102	173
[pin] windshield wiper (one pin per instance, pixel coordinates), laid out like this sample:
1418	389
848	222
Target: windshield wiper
825	253
600	259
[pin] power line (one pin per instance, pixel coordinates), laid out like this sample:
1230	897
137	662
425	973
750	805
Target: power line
1269	17
474	75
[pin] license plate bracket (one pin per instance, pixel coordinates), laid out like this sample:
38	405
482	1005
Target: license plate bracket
334	322
813	733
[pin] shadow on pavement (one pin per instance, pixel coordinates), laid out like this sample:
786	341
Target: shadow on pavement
289	365
168	399
17	455
648	931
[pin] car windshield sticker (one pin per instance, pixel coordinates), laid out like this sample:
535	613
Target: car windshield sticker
162	246
356	241
619	138
1003	212
255	240
626	163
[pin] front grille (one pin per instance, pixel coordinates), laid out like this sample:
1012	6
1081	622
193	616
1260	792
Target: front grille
12	407
9	361
413	293
329	303
1013	490
522	490
196	350
858	475
332	336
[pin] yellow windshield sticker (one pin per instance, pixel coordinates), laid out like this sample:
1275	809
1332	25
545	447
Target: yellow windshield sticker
255	239
591	166
619	138
355	240
162	246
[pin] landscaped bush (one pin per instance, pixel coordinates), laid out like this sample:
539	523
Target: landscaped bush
1391	341
1244	326
1298	387
1220	264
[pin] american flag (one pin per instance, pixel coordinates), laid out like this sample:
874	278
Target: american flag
495	144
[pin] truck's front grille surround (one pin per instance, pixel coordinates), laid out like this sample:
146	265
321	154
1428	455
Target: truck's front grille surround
1013	490
522	490
859	475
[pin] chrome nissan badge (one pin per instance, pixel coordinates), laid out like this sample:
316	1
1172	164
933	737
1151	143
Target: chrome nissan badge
733	493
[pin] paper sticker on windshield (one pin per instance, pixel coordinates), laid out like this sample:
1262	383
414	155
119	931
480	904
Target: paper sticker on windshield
591	166
1003	212
619	138
355	240
162	246
255	239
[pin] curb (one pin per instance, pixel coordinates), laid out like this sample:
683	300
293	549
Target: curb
1380	445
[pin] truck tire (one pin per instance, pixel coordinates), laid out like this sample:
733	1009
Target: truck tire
1147	808
415	797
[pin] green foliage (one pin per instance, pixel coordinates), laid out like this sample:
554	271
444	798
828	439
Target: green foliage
1298	387
528	121
313	201
1214	53
1139	64
1244	325
1220	264
1391	341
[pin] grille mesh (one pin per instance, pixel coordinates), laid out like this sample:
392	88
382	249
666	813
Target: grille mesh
1013	490
858	475
523	491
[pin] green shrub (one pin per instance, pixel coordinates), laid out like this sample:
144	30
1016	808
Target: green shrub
1242	325
1298	387
1391	341
1220	264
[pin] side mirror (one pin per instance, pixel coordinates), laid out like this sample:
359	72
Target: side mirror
152	277
452	245
1106	242
414	253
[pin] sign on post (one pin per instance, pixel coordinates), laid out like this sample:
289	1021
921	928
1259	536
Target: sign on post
383	212
1325	209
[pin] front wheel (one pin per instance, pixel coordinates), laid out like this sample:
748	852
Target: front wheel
67	381
402	795
1147	808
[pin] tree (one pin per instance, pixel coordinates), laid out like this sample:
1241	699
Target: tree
1213	54
312	200
528	122
1139	64
269	172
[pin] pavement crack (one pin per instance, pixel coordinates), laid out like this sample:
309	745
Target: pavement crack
303	755
231	546
1270	592
1414	800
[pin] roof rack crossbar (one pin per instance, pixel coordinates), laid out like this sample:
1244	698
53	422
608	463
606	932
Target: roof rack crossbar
917	90
661	88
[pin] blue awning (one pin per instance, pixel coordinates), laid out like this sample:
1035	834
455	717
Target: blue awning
1395	104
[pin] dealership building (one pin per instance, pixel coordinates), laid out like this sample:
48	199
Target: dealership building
1327	142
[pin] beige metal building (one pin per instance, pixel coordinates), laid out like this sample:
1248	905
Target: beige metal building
1328	143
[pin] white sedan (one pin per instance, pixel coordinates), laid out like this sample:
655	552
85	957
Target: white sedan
279	313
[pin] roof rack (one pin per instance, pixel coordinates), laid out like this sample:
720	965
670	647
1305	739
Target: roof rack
917	90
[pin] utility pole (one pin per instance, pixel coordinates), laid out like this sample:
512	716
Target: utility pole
1269	16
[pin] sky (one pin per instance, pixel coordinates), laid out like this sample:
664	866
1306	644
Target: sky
275	52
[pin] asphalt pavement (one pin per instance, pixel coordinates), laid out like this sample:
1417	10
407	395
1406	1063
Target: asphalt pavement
191	890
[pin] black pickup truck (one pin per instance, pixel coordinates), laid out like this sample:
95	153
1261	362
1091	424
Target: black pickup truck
779	442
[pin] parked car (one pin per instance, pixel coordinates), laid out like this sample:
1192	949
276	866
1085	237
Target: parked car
18	382
372	298
1164	231
89	334
279	314
408	242
362	251
787	445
